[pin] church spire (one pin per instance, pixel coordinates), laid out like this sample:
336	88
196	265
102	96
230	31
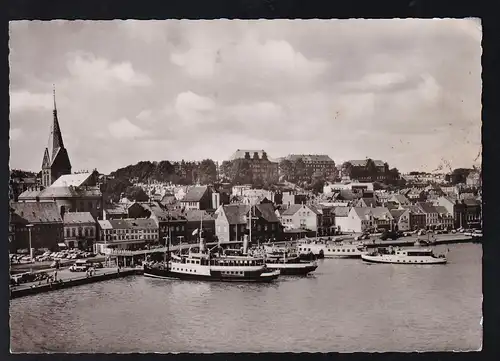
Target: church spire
57	140
54	94
55	158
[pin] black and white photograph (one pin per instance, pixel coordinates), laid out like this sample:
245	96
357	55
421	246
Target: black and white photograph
231	186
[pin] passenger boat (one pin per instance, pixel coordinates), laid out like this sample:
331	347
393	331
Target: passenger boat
404	256
204	267
208	266
288	262
333	249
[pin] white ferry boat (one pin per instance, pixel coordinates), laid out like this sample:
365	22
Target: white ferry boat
332	249
404	256
205	266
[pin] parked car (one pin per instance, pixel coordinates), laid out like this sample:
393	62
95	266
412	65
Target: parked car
80	266
388	234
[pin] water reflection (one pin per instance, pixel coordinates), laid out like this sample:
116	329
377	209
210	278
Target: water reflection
347	305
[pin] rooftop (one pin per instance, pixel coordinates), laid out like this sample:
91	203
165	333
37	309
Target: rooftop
128	223
78	217
75	180
37	212
240	154
195	194
362	163
310	157
70	192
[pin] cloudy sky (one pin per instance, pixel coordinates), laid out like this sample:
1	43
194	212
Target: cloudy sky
404	91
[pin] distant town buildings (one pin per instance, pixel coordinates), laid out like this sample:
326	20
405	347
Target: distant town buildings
261	167
316	163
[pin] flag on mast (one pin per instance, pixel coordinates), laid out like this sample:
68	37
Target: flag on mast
195	232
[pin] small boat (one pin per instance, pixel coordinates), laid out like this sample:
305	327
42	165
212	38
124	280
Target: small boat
289	263
333	250
404	256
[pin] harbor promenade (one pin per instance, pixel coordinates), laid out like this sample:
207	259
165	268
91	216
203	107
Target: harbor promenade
67	279
375	241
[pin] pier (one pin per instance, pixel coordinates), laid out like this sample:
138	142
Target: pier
67	279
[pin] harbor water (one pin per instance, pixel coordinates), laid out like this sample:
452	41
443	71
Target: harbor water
346	306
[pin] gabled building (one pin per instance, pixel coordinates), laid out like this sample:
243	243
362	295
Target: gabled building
341	220
446	219
418	219
46	222
126	234
431	214
301	216
399	199
401	219
170	223
80	230
366	203
199	219
362	219
232	222
198	197
72	193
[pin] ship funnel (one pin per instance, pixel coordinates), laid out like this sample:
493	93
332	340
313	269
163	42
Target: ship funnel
202	244
245	244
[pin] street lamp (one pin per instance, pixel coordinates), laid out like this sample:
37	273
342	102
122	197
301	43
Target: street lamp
29	226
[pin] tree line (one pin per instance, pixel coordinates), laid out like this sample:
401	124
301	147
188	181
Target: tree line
121	182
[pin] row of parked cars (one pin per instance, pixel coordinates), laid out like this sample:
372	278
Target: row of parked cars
84	265
66	255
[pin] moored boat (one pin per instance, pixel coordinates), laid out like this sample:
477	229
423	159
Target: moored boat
332	249
404	256
204	267
208	266
289	263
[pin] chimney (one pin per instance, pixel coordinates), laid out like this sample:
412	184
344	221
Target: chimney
245	244
202	242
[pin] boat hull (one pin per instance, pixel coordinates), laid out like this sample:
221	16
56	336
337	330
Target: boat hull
214	276
403	260
293	269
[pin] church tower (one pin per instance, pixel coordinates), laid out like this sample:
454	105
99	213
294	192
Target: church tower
55	158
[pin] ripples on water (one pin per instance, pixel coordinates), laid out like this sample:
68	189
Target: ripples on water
347	306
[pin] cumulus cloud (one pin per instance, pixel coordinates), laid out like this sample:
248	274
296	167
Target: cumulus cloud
269	58
124	129
406	91
99	71
15	134
193	108
26	100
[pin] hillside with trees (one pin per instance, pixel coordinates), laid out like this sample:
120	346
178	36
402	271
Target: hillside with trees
186	173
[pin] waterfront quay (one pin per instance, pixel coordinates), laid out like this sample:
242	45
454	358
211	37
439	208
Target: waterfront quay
401	242
67	279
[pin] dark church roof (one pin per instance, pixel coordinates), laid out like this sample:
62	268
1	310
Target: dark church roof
56	155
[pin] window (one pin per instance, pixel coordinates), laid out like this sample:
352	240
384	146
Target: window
67	232
73	232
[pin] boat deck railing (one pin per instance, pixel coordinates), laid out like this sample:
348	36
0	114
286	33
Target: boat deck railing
124	252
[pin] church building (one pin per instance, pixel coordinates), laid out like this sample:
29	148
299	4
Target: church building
55	158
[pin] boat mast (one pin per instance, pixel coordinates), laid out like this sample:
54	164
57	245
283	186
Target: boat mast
250	227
